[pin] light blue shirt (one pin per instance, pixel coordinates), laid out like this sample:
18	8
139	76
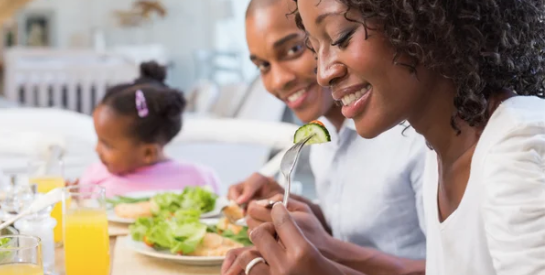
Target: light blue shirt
370	190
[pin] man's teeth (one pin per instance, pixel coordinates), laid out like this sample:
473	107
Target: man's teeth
296	96
351	98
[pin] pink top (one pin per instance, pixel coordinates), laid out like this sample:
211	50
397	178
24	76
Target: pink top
168	175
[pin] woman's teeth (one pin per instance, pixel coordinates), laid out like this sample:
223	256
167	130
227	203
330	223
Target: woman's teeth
296	96
351	98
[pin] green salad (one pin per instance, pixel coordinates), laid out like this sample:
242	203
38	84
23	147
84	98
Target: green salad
195	198
175	224
241	237
180	232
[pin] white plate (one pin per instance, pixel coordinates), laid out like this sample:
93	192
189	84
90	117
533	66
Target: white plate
216	212
142	248
166	255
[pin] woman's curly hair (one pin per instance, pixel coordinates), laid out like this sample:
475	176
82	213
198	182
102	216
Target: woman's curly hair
483	46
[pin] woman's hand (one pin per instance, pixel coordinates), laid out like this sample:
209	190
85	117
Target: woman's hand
290	254
308	223
255	187
231	264
259	212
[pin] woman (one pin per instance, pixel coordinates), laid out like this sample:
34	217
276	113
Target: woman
387	200
451	68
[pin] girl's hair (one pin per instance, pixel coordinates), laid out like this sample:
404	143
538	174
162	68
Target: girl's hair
483	46
163	120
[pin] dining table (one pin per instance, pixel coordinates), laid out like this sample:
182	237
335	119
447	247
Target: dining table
125	261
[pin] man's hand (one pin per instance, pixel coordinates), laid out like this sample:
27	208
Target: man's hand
256	187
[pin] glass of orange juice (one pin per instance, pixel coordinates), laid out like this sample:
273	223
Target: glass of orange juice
86	240
48	176
20	255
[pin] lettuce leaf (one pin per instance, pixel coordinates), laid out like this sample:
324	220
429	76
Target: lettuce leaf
166	202
180	233
187	215
241	237
198	198
139	228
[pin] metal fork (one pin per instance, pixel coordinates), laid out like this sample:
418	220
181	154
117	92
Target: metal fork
286	167
288	163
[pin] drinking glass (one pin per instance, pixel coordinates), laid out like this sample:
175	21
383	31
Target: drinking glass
20	255
86	240
15	196
48	176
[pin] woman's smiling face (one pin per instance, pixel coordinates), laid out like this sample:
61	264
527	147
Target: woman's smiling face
287	67
358	64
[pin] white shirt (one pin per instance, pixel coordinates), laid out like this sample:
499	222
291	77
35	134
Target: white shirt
499	226
370	189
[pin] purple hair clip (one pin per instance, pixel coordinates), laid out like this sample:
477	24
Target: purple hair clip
141	105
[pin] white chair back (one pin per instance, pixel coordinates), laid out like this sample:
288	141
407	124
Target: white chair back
29	143
50	121
202	97
33	131
70	79
229	99
258	104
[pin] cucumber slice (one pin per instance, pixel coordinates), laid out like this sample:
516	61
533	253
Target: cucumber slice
321	135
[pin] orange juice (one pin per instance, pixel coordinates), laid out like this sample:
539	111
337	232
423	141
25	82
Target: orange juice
21	269
86	242
46	184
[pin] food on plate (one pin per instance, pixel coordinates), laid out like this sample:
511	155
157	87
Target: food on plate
133	210
225	225
179	233
231	231
164	204
184	234
233	211
191	198
214	245
316	129
127	200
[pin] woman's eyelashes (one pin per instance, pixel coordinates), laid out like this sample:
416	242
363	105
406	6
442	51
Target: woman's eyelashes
308	45
343	41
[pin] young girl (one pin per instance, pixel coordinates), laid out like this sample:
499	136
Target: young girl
133	123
